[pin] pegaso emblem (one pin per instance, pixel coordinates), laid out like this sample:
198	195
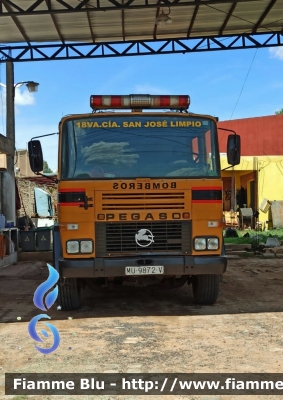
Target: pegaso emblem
143	236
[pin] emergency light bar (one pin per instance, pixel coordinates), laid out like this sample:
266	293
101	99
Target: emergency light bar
138	101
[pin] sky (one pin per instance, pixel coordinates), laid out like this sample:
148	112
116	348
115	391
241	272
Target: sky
228	84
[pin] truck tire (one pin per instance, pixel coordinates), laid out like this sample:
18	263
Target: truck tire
206	289
69	294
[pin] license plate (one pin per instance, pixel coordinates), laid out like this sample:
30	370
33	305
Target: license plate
145	270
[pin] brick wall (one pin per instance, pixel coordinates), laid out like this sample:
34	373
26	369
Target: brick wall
26	190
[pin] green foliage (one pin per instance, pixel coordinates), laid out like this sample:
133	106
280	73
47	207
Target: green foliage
279	112
262	236
46	169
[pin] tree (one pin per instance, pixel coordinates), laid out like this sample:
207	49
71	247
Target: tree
46	169
279	111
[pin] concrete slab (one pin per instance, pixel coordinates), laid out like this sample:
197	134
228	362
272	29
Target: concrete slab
235	251
232	256
233	247
46	256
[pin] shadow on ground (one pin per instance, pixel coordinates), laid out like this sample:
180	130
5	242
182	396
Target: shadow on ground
249	286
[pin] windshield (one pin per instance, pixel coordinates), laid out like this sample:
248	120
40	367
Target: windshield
127	146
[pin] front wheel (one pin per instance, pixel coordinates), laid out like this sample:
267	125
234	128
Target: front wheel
206	288
69	294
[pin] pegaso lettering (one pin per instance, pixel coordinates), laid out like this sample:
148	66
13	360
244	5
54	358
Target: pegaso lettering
137	216
145	185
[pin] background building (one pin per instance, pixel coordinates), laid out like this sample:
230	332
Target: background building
259	176
22	167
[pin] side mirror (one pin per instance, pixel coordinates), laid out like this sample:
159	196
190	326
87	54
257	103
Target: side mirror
234	149
35	156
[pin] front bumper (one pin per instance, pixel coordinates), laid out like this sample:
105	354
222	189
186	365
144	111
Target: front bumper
115	267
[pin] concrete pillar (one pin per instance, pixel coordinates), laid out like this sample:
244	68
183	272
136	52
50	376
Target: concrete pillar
233	192
8	203
1	212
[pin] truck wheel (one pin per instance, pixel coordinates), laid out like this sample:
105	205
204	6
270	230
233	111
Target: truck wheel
69	294
206	288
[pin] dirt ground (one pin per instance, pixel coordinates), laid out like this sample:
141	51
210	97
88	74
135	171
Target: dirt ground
148	330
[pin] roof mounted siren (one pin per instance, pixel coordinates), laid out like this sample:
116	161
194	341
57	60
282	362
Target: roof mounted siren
139	102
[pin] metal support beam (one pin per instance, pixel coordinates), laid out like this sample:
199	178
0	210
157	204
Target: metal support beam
267	10
65	51
10	103
8	202
229	14
13	10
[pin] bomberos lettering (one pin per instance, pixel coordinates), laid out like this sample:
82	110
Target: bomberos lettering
144	185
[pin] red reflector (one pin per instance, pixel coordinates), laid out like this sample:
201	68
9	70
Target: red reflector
96	101
186	215
165	101
72	190
183	101
116	101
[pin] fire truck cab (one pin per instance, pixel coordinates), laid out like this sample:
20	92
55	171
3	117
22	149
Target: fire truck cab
139	197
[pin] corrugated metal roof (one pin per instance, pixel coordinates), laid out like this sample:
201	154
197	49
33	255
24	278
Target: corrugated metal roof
93	21
48	180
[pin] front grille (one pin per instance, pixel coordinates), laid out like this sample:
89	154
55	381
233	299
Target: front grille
143	201
118	238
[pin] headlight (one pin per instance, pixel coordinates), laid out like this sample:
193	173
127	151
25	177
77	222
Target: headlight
212	244
73	246
200	244
208	243
86	246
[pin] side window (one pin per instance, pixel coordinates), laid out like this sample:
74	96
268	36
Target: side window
64	152
68	151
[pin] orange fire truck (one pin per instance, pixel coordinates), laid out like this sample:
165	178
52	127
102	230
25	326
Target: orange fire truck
139	197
